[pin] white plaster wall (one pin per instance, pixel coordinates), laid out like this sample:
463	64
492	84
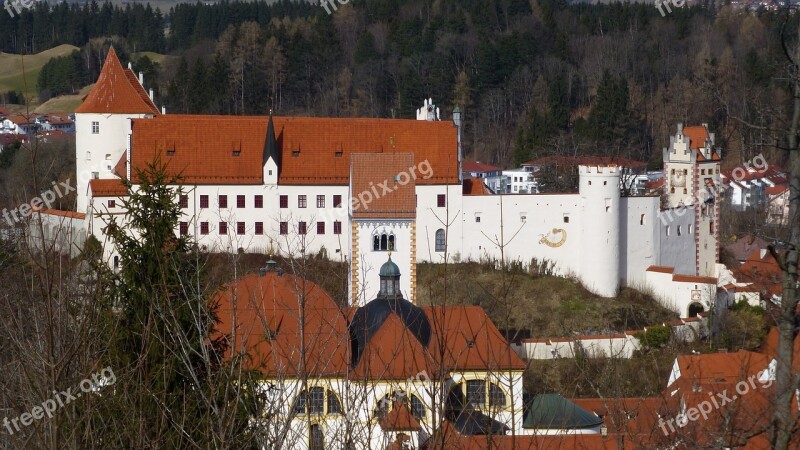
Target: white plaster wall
677	296
677	250
523	238
112	140
431	217
639	247
600	231
370	261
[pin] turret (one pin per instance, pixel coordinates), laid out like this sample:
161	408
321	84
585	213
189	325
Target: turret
600	239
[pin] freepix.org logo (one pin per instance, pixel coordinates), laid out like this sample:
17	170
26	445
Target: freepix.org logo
17	5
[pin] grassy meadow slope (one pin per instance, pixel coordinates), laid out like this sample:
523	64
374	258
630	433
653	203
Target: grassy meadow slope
11	69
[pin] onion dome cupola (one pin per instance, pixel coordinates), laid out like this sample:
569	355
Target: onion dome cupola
390	280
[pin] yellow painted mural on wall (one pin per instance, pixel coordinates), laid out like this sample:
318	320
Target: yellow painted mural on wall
546	238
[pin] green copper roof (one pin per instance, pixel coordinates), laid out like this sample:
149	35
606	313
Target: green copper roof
554	411
389	269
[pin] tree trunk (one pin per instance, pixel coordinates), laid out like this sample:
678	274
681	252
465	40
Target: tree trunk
785	380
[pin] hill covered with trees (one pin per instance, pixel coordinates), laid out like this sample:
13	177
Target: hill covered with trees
534	77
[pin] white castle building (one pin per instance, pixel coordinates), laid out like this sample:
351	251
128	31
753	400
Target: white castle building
356	189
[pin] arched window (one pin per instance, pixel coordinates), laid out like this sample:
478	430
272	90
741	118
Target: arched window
667	230
316	439
441	241
317	401
414	403
641	219
383	241
679	230
480	394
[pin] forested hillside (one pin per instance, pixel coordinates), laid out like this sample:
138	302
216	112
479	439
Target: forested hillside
534	77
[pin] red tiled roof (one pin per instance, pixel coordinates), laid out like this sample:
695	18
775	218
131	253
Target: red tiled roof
476	166
474	186
313	150
693	279
399	419
108	188
117	91
661	269
267	326
57	212
770	348
371	174
777	189
450	439
655	184
698	135
393	353
713	369
468	339
121	169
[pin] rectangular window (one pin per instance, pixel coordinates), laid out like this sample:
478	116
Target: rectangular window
284	201
320	227
184	201
223	228
476	393
702	171
316	401
337	227
301	228
301	201
711	171
184	228
337	201
203	228
259	227
320	201
239	228
204	201
240	201
95	127
258	201
223	201
112	203
441	201
284	228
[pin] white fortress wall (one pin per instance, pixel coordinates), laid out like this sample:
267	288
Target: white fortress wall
541	226
638	242
676	232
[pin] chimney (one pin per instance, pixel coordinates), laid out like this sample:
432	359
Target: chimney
163	109
151	95
680	128
130	66
141	78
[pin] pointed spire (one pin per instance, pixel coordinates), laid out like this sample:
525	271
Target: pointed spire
270	145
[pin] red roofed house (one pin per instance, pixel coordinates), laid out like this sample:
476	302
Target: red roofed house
383	373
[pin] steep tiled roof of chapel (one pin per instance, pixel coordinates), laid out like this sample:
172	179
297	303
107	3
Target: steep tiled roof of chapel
230	149
259	315
117	91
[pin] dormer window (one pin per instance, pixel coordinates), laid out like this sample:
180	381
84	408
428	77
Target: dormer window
171	152
237	152
295	153
339	153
